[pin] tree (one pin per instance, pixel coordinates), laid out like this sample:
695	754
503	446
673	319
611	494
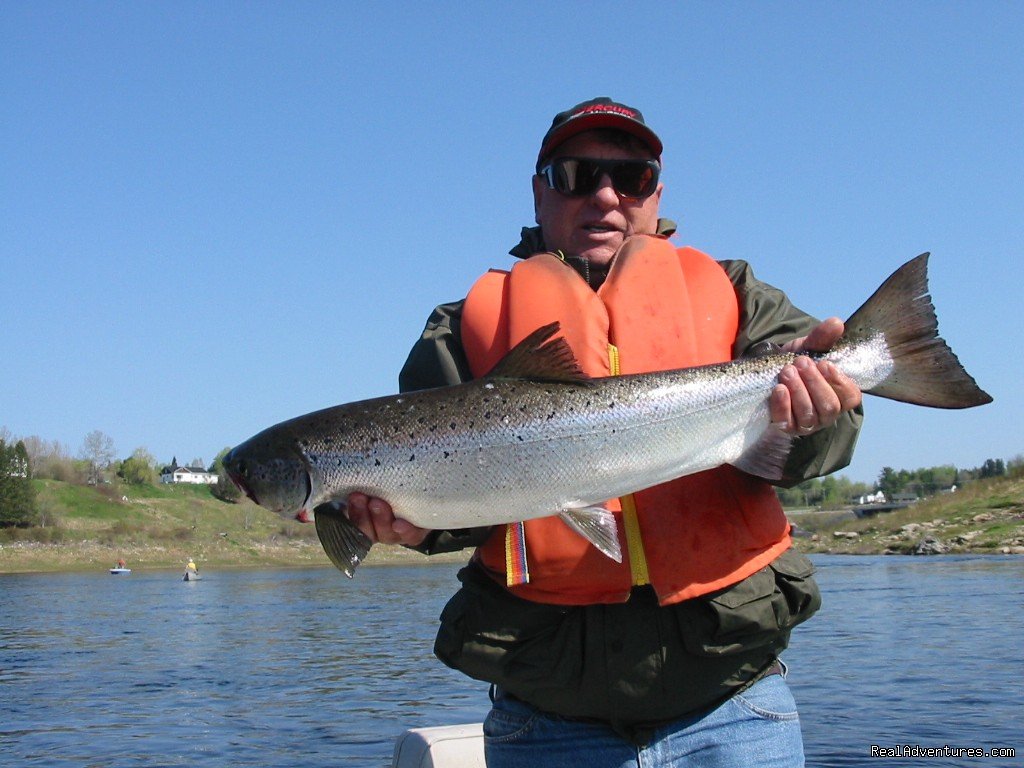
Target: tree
52	461
138	468
889	482
223	489
993	468
98	451
17	495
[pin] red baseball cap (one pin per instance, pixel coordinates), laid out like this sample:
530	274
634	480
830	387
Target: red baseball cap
601	112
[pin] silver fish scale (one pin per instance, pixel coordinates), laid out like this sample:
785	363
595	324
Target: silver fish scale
867	361
536	448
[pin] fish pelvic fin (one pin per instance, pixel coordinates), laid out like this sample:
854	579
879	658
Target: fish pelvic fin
767	457
344	543
539	357
925	370
596	525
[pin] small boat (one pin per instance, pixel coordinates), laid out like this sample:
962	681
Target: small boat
191	576
120	570
450	746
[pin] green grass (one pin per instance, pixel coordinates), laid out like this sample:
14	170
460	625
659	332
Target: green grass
159	526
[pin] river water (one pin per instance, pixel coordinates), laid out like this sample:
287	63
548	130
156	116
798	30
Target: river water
305	668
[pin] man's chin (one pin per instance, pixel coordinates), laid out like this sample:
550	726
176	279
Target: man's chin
601	255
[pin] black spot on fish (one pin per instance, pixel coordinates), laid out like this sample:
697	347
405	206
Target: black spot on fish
446	454
376	462
412	457
452	425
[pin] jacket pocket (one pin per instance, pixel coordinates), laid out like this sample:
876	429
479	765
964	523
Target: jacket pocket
755	613
797	596
492	635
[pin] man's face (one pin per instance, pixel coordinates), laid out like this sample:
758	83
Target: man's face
593	226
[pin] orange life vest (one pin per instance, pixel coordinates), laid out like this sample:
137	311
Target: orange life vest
659	308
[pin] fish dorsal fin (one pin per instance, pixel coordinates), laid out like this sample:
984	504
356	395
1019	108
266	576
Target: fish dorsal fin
539	357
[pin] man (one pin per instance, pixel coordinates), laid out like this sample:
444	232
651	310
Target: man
671	655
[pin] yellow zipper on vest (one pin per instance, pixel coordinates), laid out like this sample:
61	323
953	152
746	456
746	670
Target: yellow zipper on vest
634	542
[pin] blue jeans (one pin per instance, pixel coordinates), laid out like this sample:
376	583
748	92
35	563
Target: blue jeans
758	728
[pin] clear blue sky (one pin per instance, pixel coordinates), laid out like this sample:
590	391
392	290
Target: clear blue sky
215	216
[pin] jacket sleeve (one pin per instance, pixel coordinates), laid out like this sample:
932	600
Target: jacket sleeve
766	314
437	360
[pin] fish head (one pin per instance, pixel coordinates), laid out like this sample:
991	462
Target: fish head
273	474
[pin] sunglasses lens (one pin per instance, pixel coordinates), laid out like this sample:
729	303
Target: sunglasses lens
580	176
576	177
634	179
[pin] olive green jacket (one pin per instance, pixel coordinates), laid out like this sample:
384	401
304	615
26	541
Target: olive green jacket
766	315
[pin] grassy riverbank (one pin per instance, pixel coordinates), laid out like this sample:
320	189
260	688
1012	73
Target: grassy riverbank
89	528
157	527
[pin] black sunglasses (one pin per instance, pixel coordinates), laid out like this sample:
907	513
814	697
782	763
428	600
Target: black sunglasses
580	176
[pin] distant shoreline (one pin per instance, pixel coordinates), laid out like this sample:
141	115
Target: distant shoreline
164	528
32	557
44	558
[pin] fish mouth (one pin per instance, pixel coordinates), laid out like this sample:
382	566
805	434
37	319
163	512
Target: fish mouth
235	476
238	474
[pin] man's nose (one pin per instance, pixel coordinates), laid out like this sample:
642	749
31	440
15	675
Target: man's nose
604	195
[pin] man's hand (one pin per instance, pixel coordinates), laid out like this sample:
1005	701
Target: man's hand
812	395
375	518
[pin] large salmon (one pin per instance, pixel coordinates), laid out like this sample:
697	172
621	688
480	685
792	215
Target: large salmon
536	437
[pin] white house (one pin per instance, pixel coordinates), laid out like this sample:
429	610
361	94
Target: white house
194	475
871	498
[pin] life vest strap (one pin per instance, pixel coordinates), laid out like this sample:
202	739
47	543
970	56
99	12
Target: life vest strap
517	571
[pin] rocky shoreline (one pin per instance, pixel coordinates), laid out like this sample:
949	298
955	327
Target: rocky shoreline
975	521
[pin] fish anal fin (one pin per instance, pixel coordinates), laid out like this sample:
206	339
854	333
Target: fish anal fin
767	457
344	543
597	525
540	357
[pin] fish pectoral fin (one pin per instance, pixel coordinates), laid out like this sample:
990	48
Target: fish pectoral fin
344	543
596	525
767	457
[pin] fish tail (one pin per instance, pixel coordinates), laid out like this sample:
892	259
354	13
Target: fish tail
344	543
925	370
